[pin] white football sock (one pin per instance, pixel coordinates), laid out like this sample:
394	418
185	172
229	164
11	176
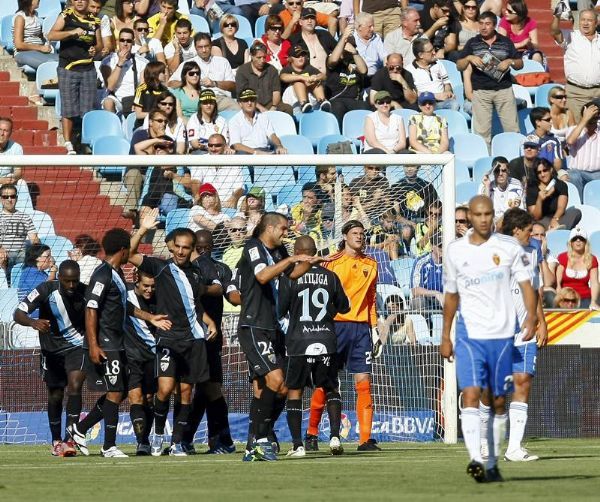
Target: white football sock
499	432
485	413
470	430
518	419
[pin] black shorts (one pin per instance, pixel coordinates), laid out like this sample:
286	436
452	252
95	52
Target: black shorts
214	352
55	368
141	375
183	360
110	375
312	371
263	350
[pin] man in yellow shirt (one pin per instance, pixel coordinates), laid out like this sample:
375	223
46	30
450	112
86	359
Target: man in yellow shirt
162	24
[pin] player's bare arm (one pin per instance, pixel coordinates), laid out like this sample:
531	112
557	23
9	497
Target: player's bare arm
97	355
161	321
41	325
542	328
530	299
450	308
149	222
272	271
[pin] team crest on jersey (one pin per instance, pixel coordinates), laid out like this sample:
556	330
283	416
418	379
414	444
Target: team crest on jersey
98	287
112	379
254	254
164	365
525	260
496	259
272	358
365	272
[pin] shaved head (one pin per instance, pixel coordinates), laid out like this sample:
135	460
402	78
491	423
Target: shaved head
480	199
305	244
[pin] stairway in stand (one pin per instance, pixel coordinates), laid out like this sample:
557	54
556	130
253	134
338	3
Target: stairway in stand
541	11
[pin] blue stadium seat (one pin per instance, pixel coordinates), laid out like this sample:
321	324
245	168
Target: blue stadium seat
557	241
315	125
273	178
45	72
227	114
15	274
353	125
111	145
177	218
24	203
259	26
283	123
129	126
48	8
3	280
47	25
507	144
590	218
421	327
244	31
525	125
453	74
529	66
465	191
591	193
6	38
457	123
405	113
43	224
8	302
199	24
481	167
468	147
574	199
98	123
402	268
296	144
523	93
541	94
8	7
57	108
290	195
333	138
461	171
184	7
60	247
437	321
595	242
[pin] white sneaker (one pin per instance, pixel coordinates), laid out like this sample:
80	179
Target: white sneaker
520	455
79	439
113	452
157	445
335	446
70	149
298	452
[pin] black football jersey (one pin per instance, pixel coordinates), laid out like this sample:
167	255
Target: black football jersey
140	343
312	301
213	272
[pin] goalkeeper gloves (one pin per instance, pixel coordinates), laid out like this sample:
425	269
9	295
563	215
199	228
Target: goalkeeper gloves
377	348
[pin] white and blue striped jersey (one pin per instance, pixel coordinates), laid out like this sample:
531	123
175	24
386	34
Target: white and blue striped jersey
533	251
140	343
481	275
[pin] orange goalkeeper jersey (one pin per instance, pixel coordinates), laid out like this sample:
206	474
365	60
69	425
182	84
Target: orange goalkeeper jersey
358	276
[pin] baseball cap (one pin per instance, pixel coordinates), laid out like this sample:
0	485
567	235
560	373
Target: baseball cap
207	95
308	12
257	192
532	140
426	97
382	95
578	232
297	51
206	188
247	94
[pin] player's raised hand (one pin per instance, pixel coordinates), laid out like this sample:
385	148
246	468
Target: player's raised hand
446	349
97	355
161	321
150	221
41	325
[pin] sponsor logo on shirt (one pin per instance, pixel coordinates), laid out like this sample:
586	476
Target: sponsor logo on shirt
484	279
98	288
33	295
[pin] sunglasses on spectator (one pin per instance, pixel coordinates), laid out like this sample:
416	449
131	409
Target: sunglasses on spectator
166	103
578	238
230	25
235	229
142	29
5	197
248	100
569	300
471	7
510	11
543	170
435	213
395	67
428	103
559	96
193	73
384	102
500	170
461	221
530	147
294	3
276	28
126	40
215	145
160	121
546	119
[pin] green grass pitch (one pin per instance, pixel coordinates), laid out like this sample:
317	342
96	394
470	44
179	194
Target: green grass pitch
567	471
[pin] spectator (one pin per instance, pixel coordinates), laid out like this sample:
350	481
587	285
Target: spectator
568	298
122	71
397	328
262	77
385	235
426	284
427	132
562	116
147	94
149	48
319	43
397	81
352	208
198	7
277	47
79	35
549	148
548	197
324	185
169	187
306	215
578	269
584	148
384	130
85	253
522	168
147	8
345	77
412	196
490	56
461	221
505	192
236	228
188	95
15	229
549	264
251	131
228	180
400	40
31	47
469	27
162	24
386	13
206	214
521	30
421	243
181	48
9	147
582	59
205	122
290	16
372	189
369	44
327	243
252	207
385	273
216	73
110	27
175	127
440	26
252	9
38	259
305	83
232	48
429	75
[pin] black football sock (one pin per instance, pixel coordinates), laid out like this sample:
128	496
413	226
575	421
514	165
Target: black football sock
93	417
161	409
334	410
195	415
181	423
149	412
138	420
110	411
55	415
73	408
176	406
251	421
264	413
218	417
294	420
278	407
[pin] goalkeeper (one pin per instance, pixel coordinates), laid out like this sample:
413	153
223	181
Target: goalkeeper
356	332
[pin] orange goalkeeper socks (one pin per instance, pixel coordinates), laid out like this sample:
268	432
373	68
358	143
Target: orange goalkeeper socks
364	410
317	405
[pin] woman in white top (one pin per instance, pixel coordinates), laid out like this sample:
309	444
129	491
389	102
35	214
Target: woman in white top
175	128
206	214
205	122
124	17
562	117
382	129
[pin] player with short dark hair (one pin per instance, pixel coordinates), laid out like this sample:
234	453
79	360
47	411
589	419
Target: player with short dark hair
312	302
263	260
61	330
181	348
